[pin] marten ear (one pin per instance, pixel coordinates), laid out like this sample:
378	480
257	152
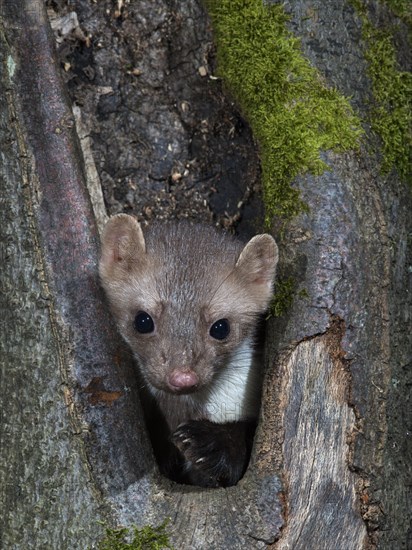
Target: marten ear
257	263
122	244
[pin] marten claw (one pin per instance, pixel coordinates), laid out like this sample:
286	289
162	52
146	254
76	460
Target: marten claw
180	437
215	455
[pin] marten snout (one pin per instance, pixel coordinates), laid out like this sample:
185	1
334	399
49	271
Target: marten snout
182	381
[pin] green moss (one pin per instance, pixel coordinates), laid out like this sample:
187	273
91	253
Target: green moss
133	538
401	8
391	110
285	294
293	114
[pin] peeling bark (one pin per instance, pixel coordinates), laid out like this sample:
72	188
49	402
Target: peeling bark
318	422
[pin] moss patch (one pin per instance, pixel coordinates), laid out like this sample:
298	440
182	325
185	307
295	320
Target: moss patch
391	110
293	114
401	8
285	293
133	538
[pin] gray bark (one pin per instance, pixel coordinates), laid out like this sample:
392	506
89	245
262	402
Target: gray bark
330	465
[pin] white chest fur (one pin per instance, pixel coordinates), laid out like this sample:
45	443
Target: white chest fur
234	394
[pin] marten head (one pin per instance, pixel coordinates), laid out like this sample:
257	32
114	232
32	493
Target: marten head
185	297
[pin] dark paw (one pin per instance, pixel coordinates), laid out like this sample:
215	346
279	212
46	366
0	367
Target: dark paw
216	455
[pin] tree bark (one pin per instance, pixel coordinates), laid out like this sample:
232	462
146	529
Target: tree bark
330	464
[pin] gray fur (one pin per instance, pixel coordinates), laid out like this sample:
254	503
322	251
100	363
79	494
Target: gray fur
187	277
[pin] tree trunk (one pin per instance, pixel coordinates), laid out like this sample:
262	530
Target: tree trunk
330	464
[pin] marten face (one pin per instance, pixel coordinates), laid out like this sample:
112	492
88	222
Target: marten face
185	297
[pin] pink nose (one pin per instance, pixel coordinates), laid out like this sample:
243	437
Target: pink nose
182	380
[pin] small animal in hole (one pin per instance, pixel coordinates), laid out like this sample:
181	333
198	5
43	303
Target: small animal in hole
187	299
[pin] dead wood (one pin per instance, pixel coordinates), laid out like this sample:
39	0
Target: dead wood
330	466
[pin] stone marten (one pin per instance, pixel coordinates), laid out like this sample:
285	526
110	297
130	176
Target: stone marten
187	299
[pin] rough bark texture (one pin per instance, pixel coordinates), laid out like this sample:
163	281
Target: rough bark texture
166	141
356	253
46	481
330	466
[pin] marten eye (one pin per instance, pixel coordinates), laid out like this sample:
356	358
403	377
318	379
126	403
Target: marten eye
143	323
220	330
